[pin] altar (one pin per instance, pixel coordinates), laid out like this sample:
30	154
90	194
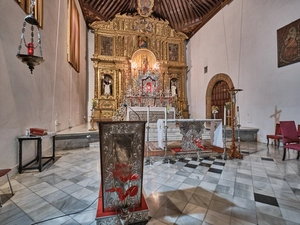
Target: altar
154	113
192	130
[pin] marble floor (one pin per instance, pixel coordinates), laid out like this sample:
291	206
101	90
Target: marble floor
258	189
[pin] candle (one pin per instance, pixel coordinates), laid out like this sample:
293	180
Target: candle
224	115
238	115
148	112
166	116
30	48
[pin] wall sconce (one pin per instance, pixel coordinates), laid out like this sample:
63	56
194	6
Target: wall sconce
30	59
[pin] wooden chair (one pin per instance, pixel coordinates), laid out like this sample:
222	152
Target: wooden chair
276	137
290	137
2	173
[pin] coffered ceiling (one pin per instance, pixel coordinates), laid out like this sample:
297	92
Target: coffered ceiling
186	16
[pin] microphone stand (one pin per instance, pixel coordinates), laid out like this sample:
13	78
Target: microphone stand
147	160
125	105
166	159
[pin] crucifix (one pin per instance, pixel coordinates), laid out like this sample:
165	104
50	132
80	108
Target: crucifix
234	153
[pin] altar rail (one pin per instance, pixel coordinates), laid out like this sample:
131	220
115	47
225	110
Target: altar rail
191	129
155	113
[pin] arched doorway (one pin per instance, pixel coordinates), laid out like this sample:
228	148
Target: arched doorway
217	94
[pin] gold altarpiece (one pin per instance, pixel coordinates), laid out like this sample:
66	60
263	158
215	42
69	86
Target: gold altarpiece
138	61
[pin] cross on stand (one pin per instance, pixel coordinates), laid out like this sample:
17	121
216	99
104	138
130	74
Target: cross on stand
234	153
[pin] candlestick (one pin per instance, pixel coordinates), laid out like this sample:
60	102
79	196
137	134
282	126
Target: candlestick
224	115
166	116
238	114
148	112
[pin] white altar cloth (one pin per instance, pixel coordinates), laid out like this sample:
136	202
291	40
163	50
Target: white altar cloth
216	134
142	111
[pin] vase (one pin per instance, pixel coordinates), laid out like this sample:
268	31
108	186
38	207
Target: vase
124	214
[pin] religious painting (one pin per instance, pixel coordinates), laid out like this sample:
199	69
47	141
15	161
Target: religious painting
145	7
107	83
73	35
122	146
106	46
288	43
38	9
143	42
173	52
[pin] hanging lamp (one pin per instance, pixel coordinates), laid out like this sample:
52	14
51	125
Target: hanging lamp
30	59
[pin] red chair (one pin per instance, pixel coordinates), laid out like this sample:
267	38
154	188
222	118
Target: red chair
290	137
299	130
276	137
2	173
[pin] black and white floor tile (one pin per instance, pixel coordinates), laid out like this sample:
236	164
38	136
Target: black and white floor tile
258	189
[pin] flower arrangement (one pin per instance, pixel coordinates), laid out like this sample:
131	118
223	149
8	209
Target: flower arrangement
214	109
123	176
94	103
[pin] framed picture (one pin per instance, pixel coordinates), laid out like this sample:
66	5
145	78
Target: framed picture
173	52
73	35
122	158
288	43
106	45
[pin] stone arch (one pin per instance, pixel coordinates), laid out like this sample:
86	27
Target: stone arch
215	79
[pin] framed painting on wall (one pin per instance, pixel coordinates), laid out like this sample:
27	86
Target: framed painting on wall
288	43
106	45
173	52
73	35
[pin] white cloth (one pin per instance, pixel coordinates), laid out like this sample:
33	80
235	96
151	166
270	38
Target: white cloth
218	136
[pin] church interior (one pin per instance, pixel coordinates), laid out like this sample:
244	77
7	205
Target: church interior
190	93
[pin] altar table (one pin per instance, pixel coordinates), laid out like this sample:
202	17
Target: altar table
192	129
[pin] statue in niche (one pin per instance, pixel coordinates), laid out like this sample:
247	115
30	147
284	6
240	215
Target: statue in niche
107	82
145	65
173	88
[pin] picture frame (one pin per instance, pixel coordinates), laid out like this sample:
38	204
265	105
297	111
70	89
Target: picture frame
121	143
288	43
106	45
173	52
73	35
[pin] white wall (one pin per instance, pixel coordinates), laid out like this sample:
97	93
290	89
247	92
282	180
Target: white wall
241	41
55	91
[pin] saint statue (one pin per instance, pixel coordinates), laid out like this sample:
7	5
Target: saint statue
107	86
173	89
145	65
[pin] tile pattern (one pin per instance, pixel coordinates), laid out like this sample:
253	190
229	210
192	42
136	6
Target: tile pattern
259	189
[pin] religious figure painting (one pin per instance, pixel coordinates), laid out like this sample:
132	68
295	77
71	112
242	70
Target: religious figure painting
106	45
173	52
73	35
145	7
288	44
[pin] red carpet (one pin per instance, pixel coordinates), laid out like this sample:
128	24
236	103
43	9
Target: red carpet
176	149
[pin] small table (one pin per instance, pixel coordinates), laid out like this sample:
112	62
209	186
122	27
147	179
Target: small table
39	158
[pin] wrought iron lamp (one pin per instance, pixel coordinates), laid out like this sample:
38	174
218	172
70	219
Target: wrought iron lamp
30	59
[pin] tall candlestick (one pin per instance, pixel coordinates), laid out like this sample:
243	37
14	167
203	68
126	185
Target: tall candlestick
238	114
224	115
148	112
166	116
